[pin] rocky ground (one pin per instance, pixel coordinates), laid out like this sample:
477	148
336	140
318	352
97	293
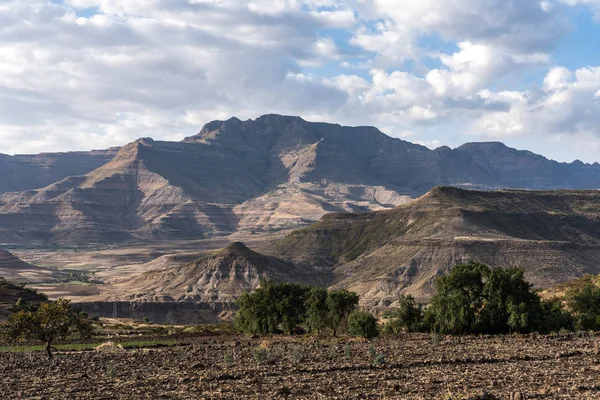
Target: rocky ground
406	367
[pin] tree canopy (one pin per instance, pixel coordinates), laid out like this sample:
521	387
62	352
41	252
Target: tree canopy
47	323
281	307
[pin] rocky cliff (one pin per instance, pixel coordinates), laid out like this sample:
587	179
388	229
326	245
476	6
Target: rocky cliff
554	235
272	173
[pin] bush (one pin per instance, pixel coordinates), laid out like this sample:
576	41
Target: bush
362	324
553	317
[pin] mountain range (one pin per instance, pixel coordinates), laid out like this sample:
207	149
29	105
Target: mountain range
272	173
553	235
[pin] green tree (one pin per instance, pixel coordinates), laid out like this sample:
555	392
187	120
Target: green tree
317	313
281	307
474	298
585	304
458	299
407	316
271	308
340	304
49	322
553	317
362	324
510	305
290	305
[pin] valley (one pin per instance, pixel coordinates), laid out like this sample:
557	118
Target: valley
553	235
181	225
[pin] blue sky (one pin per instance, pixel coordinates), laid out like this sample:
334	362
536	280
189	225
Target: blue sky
81	74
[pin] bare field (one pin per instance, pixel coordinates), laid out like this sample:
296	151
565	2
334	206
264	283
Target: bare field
407	367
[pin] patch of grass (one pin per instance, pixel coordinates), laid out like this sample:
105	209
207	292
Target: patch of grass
260	355
111	371
140	344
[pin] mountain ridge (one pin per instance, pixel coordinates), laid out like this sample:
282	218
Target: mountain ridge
554	235
271	173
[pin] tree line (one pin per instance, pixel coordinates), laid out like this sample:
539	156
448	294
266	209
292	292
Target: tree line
471	299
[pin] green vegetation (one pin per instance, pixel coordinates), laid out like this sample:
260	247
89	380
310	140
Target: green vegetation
74	277
362	324
340	304
283	307
476	299
472	299
49	322
408	316
584	302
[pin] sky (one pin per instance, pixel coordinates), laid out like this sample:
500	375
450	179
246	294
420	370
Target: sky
90	74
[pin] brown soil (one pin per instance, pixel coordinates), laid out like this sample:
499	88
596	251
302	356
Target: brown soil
416	367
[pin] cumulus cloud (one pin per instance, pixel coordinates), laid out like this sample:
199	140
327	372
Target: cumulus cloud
78	74
567	105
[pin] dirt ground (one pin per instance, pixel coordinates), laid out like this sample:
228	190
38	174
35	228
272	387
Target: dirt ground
406	367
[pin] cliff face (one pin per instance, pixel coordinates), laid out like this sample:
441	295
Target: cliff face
272	173
554	235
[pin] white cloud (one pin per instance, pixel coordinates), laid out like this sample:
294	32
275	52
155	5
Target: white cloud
567	106
162	68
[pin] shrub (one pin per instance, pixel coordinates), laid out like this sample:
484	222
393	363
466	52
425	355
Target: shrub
553	317
260	355
362	324
296	354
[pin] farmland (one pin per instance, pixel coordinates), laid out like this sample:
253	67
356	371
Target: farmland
225	366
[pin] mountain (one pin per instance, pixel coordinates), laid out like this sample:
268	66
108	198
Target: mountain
26	172
217	278
554	235
272	173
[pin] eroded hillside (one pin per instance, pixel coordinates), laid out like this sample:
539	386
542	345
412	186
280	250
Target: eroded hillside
269	174
554	235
